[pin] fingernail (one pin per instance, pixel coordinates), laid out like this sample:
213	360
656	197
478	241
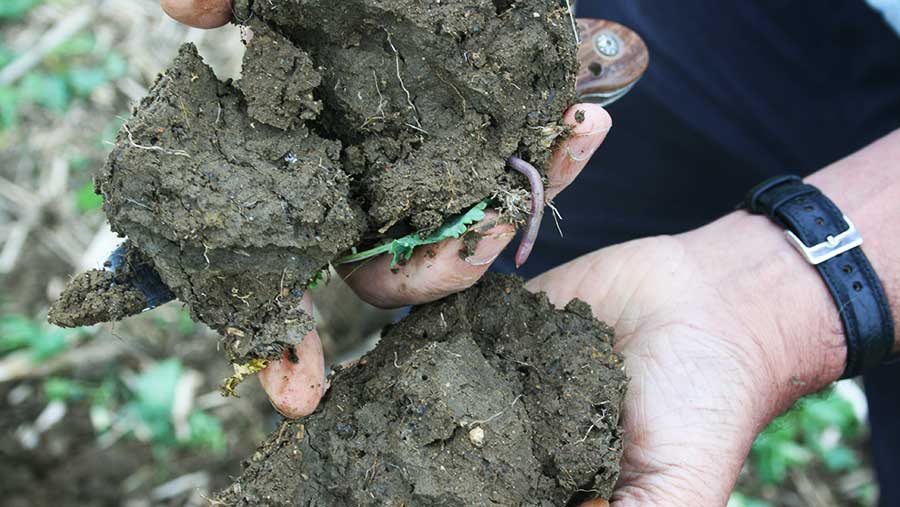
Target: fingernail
489	248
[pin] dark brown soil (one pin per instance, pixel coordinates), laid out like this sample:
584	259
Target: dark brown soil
93	297
354	121
489	397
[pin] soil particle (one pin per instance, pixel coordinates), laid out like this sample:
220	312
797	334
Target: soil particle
93	297
489	397
353	122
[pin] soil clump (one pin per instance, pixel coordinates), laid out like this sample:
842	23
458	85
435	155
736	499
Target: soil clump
489	397
353	123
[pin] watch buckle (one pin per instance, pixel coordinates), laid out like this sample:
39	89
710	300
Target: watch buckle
831	247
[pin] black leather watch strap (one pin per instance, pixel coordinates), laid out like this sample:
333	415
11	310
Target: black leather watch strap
830	242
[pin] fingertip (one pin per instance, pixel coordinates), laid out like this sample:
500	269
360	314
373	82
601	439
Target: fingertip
295	387
199	13
590	123
588	119
597	502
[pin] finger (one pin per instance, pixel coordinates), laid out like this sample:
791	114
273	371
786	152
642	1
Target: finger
296	382
573	154
199	13
597	502
434	271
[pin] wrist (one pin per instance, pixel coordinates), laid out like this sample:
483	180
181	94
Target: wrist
784	305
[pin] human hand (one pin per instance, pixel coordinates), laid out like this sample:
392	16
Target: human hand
711	355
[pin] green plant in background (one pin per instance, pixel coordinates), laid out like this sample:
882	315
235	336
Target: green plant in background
14	10
18	332
72	70
179	320
86	200
143	410
816	429
741	500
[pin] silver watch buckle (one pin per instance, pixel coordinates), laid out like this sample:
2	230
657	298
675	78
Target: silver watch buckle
831	247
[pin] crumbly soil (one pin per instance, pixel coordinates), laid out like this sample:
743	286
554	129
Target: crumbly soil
94	296
489	397
353	122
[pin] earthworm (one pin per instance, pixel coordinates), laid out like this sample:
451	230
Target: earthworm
537	207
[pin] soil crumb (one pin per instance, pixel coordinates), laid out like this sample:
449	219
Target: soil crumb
93	297
489	397
353	122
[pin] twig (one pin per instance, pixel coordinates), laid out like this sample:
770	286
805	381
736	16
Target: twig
15	241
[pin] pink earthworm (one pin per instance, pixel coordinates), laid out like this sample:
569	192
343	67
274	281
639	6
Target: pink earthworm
537	207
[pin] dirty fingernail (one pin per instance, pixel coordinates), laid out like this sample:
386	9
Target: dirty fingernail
490	246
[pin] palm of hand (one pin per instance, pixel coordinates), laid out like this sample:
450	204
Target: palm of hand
695	402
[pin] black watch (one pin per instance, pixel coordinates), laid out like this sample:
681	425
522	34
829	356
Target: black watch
829	241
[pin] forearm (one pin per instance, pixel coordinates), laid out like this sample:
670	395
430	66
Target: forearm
786	298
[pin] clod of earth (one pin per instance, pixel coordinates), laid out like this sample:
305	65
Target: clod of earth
489	397
354	123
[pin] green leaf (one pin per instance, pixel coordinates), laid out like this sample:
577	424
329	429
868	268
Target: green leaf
63	389
317	278
185	323
402	249
86	200
16	331
84	80
154	396
46	90
6	55
115	65
45	346
9	107
740	500
80	44
206	431
840	458
43	342
78	163
16	9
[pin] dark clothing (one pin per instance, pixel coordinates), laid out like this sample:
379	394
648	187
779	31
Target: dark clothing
736	92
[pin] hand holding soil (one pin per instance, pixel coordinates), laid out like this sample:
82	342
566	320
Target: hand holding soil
433	272
238	193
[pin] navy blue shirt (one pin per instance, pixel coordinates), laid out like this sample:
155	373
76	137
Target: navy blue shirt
736	92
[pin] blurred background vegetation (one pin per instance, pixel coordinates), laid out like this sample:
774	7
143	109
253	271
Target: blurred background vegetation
130	414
